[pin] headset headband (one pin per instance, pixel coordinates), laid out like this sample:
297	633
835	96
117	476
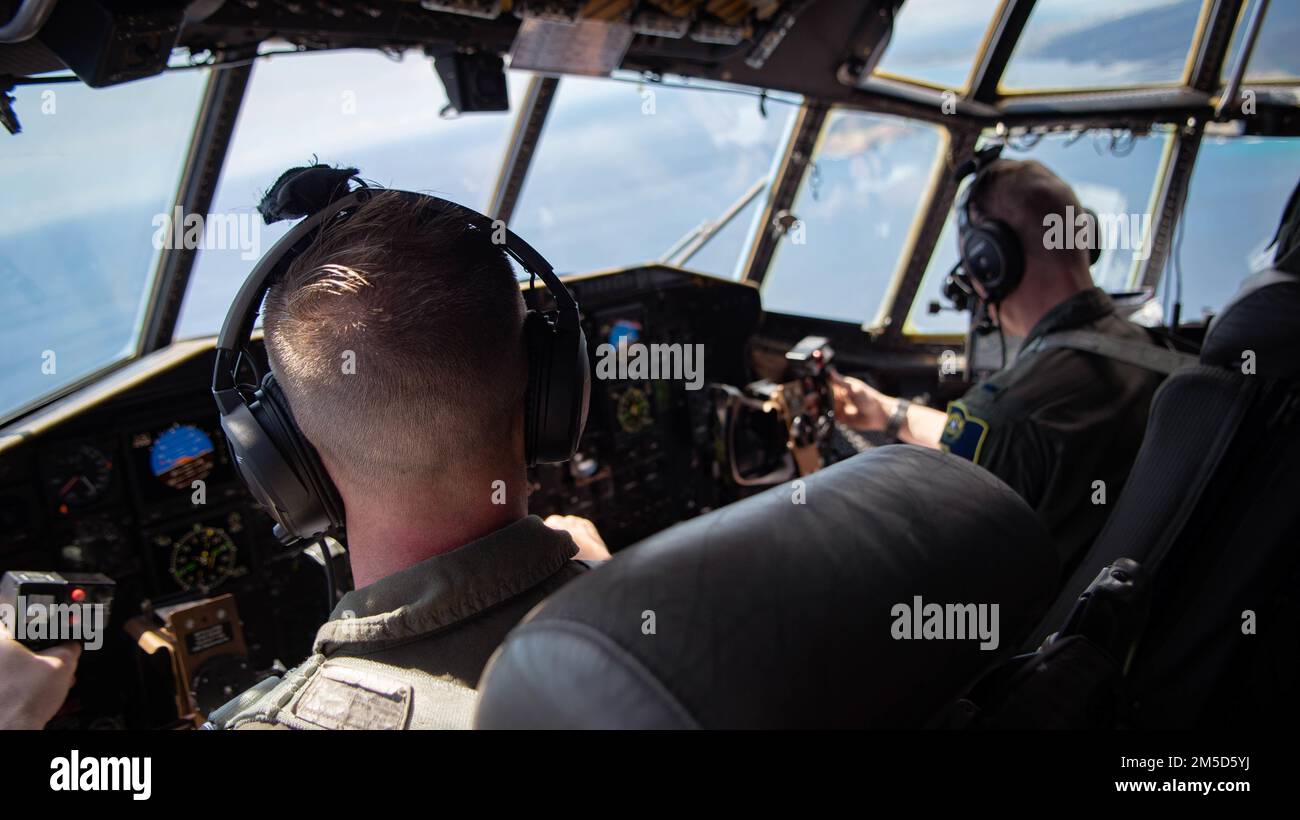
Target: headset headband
238	327
974	166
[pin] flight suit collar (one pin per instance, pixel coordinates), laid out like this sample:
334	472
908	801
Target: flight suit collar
448	588
1083	308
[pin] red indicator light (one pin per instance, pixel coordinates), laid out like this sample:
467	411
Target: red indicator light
78	594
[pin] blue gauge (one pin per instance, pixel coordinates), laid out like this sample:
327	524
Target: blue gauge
624	330
181	455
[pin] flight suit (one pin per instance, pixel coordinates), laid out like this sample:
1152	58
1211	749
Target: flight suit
1057	421
407	651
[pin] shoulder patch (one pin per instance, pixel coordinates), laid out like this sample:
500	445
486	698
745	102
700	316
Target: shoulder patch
963	433
345	698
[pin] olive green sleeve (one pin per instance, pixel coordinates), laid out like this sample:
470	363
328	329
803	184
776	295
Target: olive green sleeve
1015	450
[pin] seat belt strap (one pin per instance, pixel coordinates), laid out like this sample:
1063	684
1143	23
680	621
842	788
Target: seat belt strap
1139	354
1211	459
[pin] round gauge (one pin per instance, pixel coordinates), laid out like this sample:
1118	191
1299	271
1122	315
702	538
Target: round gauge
13	521
203	558
181	455
624	330
96	545
79	476
633	410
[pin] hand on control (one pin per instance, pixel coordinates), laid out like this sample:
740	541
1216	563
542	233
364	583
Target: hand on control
33	685
859	405
591	547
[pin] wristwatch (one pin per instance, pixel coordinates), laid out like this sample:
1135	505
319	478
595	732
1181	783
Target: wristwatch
897	419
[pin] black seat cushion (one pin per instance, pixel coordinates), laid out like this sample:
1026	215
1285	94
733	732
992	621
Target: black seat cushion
771	613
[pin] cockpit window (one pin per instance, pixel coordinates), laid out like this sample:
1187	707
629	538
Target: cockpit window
359	109
86	186
1103	44
937	41
855	208
1239	187
1112	174
1275	57
628	173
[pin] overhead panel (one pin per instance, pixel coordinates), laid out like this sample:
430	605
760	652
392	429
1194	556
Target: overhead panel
592	36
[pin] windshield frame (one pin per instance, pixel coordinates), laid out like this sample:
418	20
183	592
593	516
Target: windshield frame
531	129
1072	108
210	140
980	105
1203	21
959	134
986	42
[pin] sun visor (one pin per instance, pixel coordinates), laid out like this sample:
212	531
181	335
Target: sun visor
594	47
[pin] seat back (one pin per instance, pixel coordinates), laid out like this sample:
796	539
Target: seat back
783	610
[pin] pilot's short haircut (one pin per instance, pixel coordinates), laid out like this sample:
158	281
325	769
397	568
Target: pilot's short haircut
1022	193
397	338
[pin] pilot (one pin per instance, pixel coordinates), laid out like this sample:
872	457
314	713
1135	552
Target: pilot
397	338
33	685
1059	425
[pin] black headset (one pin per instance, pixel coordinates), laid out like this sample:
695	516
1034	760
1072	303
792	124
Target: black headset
283	470
991	251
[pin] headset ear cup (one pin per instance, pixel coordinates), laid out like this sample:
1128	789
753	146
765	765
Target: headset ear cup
1013	255
983	260
537	342
583	388
1094	250
326	508
570	392
263	470
992	255
559	388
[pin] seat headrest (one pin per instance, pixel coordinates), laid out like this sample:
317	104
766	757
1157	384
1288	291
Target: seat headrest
1262	318
781	610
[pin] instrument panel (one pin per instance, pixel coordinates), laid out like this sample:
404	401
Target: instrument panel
141	488
116	501
648	459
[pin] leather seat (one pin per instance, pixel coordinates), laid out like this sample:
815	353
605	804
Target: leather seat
1264	318
771	613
